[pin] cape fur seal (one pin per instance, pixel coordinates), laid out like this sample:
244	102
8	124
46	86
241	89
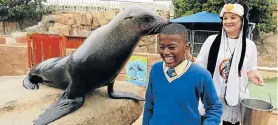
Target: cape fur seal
96	63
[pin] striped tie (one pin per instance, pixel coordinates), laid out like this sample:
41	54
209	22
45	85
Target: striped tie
171	72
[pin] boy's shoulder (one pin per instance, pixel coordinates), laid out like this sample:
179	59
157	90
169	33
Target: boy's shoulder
157	64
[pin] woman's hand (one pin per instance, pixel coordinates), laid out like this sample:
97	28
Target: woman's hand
188	55
255	77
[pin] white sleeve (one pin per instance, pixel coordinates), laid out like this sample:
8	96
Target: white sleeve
202	57
252	64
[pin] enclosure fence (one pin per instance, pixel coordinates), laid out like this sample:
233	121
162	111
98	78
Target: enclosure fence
100	5
198	37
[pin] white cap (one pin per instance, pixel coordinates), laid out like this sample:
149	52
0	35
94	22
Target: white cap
232	8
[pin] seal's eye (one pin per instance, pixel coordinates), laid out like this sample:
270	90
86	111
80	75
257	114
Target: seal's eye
129	17
147	19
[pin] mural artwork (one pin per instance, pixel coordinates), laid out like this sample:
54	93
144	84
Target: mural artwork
136	70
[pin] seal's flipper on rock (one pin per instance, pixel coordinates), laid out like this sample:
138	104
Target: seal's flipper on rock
61	108
122	95
29	83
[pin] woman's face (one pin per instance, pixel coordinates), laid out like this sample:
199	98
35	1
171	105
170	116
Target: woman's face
232	23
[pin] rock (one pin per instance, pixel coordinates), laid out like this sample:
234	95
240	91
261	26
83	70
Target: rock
80	30
165	14
67	19
87	19
59	29
141	49
98	20
109	14
19	106
78	18
49	18
139	120
58	18
151	43
32	29
152	58
152	48
142	42
81	23
70	51
40	28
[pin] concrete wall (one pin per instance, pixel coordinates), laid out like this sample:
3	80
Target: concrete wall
13	59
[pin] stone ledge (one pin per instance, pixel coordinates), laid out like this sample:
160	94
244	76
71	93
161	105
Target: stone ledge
19	106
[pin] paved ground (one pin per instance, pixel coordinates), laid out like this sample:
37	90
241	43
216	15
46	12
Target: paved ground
272	121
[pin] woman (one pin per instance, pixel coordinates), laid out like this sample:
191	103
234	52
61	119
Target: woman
231	59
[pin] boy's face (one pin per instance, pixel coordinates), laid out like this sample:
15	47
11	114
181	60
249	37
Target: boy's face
172	48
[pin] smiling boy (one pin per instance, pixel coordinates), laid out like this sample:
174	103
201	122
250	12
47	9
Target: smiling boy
176	84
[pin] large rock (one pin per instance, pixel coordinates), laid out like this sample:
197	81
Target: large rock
80	30
59	29
68	19
165	14
109	14
98	20
87	19
19	106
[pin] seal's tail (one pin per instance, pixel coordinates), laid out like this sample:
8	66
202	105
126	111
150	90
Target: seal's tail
61	108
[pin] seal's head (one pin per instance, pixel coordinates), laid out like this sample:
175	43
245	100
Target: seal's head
140	20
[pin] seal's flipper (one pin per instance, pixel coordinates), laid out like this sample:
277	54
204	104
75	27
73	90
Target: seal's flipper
28	84
63	107
122	95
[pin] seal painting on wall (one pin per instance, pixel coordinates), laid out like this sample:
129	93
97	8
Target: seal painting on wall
136	70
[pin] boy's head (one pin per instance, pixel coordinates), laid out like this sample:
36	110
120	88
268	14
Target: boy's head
173	41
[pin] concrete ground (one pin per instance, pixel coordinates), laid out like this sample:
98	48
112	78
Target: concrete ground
19	106
272	119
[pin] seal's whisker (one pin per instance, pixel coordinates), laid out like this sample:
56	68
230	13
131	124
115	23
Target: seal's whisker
156	25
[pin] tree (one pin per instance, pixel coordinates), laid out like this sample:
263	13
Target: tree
260	11
22	10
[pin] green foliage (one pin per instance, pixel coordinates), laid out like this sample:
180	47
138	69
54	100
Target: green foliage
261	11
20	10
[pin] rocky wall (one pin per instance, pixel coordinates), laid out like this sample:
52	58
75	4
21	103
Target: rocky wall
82	23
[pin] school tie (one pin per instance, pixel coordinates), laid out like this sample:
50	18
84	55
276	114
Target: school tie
171	72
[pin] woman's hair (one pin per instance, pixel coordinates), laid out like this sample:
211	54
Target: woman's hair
175	29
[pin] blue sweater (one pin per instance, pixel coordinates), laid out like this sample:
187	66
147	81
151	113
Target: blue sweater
176	103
